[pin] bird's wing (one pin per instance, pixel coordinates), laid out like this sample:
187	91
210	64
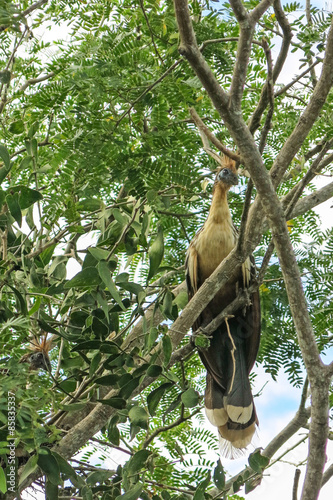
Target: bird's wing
192	276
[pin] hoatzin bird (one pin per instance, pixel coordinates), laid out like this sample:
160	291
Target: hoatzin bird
234	345
38	358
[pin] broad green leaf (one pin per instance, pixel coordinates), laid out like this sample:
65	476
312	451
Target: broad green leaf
98	253
46	254
155	396
107	380
86	278
115	402
4	155
89	205
14	207
33	129
139	417
114	435
105	274
181	300
167	304
219	476
27	196
51	490
22	305
128	388
26	162
99	476
65	467
167	349
16	127
137	461
95	363
5	75
48	463
258	462
190	398
201	489
3	483
154	371
155	253
131	494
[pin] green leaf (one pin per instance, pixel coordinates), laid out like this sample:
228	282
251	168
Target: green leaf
190	398
114	435
16	127
139	417
28	197
12	201
155	253
258	462
181	300
154	371
219	476
5	75
22	305
33	129
5	157
105	274
155	396
138	461
167	349
65	467
131	494
25	163
201	489
85	278
48	463
128	388
107	380
51	490
3	484
98	253
89	205
29	468
167	305
46	254
115	402
99	476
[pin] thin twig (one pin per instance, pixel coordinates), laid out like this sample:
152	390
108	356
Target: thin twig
148	89
296	481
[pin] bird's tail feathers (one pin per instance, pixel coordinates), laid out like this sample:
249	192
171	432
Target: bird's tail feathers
233	441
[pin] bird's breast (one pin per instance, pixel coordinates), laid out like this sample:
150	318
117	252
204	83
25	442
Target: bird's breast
213	244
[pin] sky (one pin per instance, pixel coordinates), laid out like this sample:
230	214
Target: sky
279	401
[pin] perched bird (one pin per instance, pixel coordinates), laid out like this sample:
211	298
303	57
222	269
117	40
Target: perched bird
38	358
234	345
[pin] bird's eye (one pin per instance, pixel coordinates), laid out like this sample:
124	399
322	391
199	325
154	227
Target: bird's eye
225	171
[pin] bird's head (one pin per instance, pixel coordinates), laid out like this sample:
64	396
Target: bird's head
227	176
38	359
227	173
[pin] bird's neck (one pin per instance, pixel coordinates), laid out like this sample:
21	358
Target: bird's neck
219	210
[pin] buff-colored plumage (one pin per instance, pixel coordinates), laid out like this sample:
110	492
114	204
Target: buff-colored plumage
234	345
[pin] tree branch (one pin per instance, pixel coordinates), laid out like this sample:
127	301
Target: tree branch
33	81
